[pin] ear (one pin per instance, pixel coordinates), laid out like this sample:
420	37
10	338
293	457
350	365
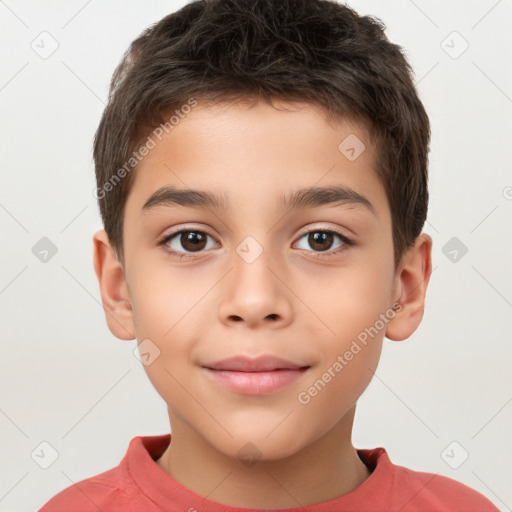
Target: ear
410	287
113	288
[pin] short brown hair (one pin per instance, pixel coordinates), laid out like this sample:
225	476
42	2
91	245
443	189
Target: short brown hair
316	51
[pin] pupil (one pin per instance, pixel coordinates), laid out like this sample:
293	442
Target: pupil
317	238
192	240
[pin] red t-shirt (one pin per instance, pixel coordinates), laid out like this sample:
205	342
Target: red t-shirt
139	484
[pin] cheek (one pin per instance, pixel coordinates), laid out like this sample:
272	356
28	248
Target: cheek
348	360
351	301
349	342
336	387
163	300
171	309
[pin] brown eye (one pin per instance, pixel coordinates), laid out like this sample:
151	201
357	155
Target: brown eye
320	240
193	240
323	241
189	241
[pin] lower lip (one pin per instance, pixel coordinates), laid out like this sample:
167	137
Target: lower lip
256	383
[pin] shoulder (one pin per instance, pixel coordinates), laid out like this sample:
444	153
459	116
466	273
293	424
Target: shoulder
433	491
110	490
115	489
395	487
91	494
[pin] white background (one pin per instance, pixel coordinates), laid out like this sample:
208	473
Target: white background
67	381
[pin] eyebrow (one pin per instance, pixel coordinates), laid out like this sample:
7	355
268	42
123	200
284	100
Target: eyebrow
303	198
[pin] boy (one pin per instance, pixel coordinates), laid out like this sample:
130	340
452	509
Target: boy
262	179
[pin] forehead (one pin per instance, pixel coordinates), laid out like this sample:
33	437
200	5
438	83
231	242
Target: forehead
255	150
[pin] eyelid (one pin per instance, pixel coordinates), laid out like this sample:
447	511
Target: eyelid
303	232
185	227
165	239
314	228
173	234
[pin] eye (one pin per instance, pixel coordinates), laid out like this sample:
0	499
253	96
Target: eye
324	241
188	241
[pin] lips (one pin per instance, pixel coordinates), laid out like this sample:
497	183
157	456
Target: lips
263	375
258	364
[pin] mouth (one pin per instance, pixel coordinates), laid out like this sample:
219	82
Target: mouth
259	364
260	376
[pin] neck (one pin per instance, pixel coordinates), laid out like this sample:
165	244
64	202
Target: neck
323	470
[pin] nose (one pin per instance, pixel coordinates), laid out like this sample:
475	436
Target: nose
255	294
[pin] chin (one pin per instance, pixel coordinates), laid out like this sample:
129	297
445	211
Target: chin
253	445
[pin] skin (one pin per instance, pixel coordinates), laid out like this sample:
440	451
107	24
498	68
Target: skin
293	301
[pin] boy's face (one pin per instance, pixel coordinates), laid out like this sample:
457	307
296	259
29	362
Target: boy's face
251	278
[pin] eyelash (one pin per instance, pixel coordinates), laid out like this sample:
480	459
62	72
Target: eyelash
347	242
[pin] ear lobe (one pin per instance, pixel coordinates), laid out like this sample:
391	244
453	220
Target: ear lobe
113	288
411	283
